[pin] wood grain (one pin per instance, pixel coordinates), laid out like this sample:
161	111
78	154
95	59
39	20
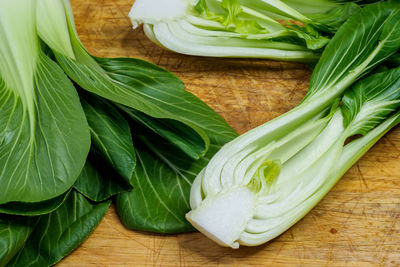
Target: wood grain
356	224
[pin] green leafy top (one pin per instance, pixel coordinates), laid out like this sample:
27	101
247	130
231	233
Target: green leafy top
331	20
346	59
370	101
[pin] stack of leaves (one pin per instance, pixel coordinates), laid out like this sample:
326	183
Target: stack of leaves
77	131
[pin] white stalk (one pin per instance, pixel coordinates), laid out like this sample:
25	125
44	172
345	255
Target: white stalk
19	52
53	27
223	217
170	36
154	11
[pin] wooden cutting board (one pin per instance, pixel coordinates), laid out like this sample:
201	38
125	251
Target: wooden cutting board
356	224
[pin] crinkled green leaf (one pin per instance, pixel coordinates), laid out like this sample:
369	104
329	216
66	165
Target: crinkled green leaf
204	11
233	10
232	17
60	232
14	231
248	27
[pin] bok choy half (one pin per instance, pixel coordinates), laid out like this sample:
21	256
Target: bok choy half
267	179
276	29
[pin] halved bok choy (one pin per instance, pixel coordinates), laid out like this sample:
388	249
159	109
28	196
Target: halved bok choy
274	29
267	179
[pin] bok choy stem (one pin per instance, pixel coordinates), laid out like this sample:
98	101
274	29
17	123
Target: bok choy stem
264	181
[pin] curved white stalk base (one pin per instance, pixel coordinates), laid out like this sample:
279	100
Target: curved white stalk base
223	217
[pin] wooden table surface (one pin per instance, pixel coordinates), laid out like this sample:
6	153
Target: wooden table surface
356	224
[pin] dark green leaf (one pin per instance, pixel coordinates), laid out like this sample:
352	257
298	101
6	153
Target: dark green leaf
160	196
99	182
393	61
137	84
162	180
176	132
111	135
149	89
60	232
331	20
375	98
34	208
41	154
164	92
374	35
14	231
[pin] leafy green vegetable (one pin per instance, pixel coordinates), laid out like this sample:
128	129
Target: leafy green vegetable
44	137
159	199
153	99
251	215
380	93
394	60
99	182
331	20
245	28
14	231
109	167
111	135
34	208
45	140
141	85
175	132
311	36
60	232
130	82
162	180
369	45
264	181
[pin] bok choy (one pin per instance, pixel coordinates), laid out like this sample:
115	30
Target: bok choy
264	181
44	136
151	98
275	29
